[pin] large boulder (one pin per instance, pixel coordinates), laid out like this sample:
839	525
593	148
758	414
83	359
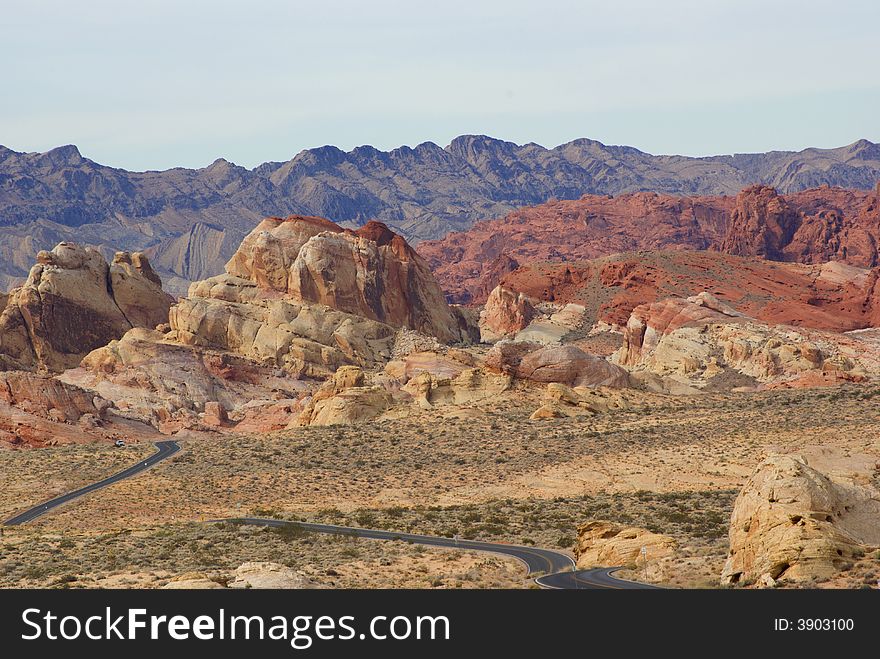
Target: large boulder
345	399
572	366
506	313
792	522
73	302
606	544
566	364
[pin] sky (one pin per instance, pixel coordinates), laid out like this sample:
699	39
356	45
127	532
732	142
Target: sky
164	83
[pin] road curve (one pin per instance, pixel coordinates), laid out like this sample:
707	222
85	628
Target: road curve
558	567
165	449
593	579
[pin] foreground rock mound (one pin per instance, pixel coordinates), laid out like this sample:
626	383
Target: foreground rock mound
345	399
73	302
791	522
606	544
262	574
561	401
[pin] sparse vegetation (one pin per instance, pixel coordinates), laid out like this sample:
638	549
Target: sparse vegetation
672	465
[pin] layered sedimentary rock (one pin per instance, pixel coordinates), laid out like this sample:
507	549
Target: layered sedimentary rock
562	401
700	341
168	385
49	397
467	264
548	241
73	302
232	314
833	296
39	410
811	227
792	522
345	399
601	543
371	272
563	364
301	299
307	296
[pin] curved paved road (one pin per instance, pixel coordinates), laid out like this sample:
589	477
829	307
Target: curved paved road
596	578
556	565
165	450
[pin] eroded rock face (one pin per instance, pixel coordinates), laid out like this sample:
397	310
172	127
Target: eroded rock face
49	397
470	385
606	544
74	302
506	313
345	399
792	522
704	344
231	314
649	323
371	272
833	295
813	226
761	224
166	384
302	298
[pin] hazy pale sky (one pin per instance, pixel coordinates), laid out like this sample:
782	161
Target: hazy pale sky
162	83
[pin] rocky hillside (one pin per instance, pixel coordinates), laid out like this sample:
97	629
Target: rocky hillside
813	226
192	220
833	295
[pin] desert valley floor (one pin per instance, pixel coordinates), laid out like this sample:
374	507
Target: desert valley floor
672	465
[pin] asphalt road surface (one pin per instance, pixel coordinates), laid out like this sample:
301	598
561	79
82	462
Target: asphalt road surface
165	450
558	568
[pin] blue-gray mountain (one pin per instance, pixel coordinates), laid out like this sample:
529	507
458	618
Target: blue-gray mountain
191	220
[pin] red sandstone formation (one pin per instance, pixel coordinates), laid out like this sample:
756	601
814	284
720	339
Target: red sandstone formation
813	226
833	296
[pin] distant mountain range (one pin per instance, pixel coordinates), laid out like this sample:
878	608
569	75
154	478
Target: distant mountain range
191	220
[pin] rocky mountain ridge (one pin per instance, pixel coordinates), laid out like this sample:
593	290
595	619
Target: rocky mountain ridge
192	220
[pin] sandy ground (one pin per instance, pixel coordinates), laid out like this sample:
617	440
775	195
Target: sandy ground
440	462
